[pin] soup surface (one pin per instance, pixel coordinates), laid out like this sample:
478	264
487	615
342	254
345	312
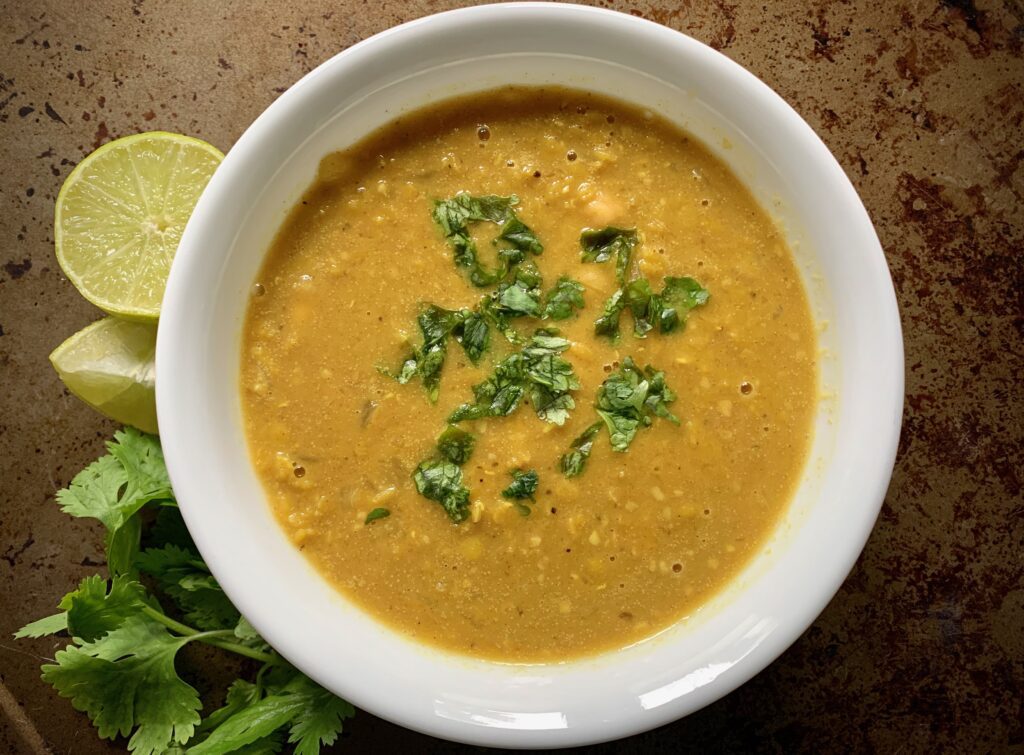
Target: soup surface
597	552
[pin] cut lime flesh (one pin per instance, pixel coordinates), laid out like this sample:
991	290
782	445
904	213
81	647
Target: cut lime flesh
110	366
121	213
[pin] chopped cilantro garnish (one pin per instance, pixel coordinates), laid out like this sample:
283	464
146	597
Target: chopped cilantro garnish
523	485
437	325
627	399
515	240
575	460
608	323
564	299
520	297
441	480
378	513
668	310
600	245
538	372
456	445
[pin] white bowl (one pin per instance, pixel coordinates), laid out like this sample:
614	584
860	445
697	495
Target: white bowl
702	657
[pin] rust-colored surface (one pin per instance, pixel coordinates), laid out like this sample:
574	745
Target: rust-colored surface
922	102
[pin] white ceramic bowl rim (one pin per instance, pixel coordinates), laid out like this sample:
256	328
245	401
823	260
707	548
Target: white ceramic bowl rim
492	704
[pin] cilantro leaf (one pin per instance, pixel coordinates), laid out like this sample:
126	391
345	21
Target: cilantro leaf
603	244
437	325
499	395
92	611
644	304
537	372
376	514
516	300
574	461
247	633
240	694
474	335
564	299
668	310
58	622
455	215
114	487
441	480
659	395
524	484
312	714
249	724
125	680
186	578
456	445
143	460
608	323
319	721
679	296
119	668
625	401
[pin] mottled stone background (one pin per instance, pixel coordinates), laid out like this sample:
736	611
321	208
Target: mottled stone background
922	102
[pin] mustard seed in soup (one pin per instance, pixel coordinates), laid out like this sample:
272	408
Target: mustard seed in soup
528	375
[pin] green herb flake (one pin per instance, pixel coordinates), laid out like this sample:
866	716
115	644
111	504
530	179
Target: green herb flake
537	372
563	300
521	297
440	480
514	242
378	513
524	485
627	399
437	325
601	245
574	461
456	445
679	296
608	323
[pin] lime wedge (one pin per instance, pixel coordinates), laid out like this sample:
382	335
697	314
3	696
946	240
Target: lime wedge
121	213
110	366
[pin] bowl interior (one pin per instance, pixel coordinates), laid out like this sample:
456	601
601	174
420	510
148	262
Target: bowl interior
792	175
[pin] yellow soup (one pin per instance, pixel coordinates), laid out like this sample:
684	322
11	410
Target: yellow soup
597	551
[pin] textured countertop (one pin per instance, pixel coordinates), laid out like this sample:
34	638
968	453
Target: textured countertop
922	102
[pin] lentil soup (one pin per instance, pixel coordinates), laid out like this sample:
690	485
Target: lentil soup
447	272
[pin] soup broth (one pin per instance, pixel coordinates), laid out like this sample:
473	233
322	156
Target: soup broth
638	539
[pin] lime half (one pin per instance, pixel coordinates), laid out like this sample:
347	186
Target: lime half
120	216
110	366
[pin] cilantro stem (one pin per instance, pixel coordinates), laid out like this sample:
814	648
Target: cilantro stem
210	638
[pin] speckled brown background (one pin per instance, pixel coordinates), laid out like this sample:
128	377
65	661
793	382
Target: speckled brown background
922	102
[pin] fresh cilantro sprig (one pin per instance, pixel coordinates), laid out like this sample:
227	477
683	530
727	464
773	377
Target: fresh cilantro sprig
628	400
537	372
514	242
119	665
